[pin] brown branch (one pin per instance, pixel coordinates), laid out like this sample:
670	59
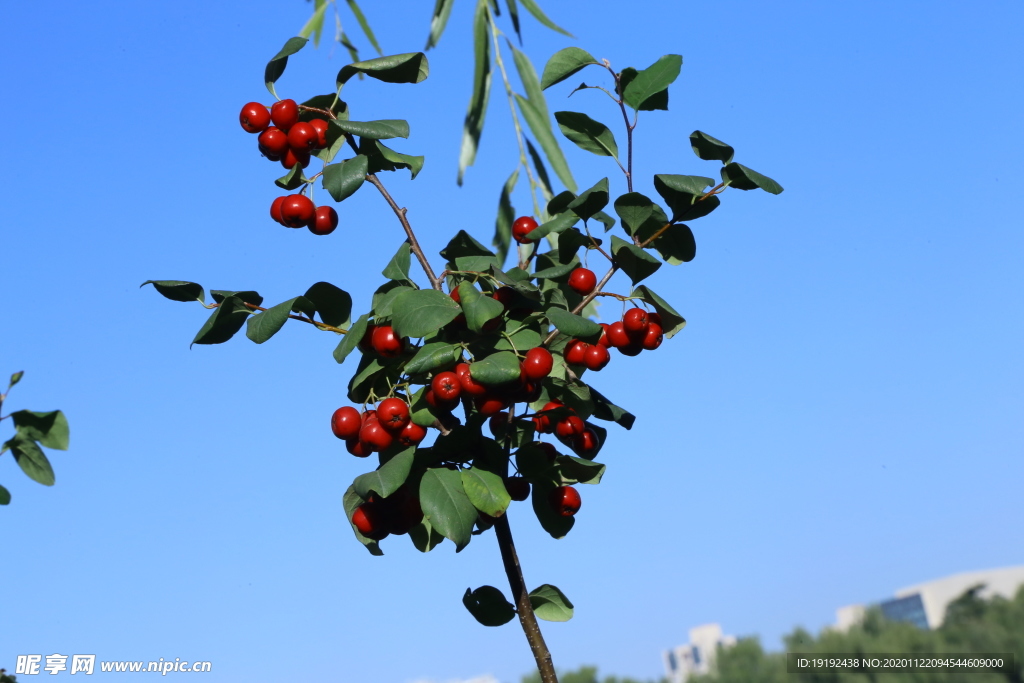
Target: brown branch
414	244
322	326
717	189
586	300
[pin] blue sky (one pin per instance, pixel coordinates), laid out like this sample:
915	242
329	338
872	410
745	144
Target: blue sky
842	415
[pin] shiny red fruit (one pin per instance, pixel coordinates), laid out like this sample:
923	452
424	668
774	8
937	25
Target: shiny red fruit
631	349
635	323
346	422
564	500
546	426
586	444
369	521
302	137
386	342
366	343
275	209
655	317
358	448
523	226
518	488
284	114
654	337
570	426
538	363
490	405
273	142
254	117
412	434
373	433
393	414
596	357
604	340
324	222
454	294
434	402
320	126
617	335
469	385
297	210
446	386
291	157
575	352
583	281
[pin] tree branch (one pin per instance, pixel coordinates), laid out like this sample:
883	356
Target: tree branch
414	244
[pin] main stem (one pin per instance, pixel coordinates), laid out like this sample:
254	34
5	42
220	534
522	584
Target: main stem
527	619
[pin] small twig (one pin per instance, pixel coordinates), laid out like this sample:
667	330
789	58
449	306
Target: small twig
717	189
414	244
586	300
322	326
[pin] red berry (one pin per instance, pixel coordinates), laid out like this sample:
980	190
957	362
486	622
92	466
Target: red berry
596	357
434	402
254	117
631	349
586	444
320	126
654	337
538	363
275	210
575	352
446	386
324	222
469	385
565	500
506	295
654	317
518	488
346	422
393	414
386	342
273	142
412	434
523	226
302	137
297	210
545	426
358	448
583	281
291	157
635	323
368	520
617	335
284	114
570	426
373	433
454	294
366	343
604	340
490	405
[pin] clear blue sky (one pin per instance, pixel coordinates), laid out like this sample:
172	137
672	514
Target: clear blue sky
842	415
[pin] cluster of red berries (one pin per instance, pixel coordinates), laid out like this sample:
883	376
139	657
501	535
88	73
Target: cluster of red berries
291	142
375	430
397	514
639	330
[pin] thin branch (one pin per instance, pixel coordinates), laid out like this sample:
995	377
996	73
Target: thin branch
322	326
586	300
717	189
414	244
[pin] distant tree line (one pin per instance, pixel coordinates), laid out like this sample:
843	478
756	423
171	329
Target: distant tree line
587	674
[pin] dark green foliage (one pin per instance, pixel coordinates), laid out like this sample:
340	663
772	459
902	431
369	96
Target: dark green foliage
587	674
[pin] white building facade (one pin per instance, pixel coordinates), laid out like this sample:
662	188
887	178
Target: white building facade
697	656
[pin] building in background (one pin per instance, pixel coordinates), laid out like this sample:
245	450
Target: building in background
697	656
924	605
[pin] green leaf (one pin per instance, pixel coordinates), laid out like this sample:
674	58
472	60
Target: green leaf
351	339
473	124
433	356
676	245
292	179
420	411
652	80
478	263
411	67
384	129
342	180
332	303
486	491
506	215
329	102
540	125
384	297
569	242
634	261
488	605
743	178
5	496
533	8
560	202
177	290
709	148
31	459
387	478
351	500
496	369
538	166
422	312
577	470
513	13
550	604
672	321
559	223
365	25
555	524
634	209
565	63
658	100
277	64
15	378
226	320
591	201
463	244
680	192
398	266
479	308
442	10
50	429
573	325
547	270
446	505
397	160
262	326
587	133
424	536
528	77
606	410
314	26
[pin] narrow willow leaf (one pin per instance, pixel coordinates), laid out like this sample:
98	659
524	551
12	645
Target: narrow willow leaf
563	64
541	127
442	10
315	24
528	77
365	25
542	171
411	67
513	13
533	8
342	180
277	64
177	290
652	80
587	133
473	125
709	148
506	215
